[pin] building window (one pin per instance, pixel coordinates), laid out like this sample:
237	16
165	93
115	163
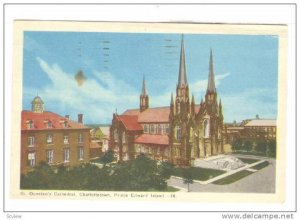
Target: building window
65	124
31	141
81	153
80	138
152	129
124	137
146	129
159	129
178	133
116	135
29	124
167	129
66	155
50	156
31	159
48	123
206	128
66	139
49	139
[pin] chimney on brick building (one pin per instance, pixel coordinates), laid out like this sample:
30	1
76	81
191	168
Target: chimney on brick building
67	116
80	118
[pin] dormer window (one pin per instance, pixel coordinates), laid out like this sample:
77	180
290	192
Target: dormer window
64	123
29	124
48	123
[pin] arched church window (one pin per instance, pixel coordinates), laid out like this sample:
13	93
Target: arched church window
123	137
206	128
116	135
178	132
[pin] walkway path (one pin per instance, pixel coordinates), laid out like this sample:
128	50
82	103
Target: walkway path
262	181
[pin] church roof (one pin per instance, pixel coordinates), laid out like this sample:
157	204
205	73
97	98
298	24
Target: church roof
39	121
152	139
153	115
130	122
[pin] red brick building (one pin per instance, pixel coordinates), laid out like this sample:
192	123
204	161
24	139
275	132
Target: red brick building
51	138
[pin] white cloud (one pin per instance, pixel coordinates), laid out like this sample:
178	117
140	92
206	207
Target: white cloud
248	103
97	101
200	86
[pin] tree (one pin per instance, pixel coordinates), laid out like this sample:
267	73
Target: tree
108	157
247	146
237	145
166	169
187	178
261	146
271	149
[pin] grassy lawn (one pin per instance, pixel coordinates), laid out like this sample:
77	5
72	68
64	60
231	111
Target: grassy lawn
232	178
247	160
198	173
260	166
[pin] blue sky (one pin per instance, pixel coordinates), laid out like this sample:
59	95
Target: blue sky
246	71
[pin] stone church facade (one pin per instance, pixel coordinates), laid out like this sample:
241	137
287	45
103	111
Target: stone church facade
180	133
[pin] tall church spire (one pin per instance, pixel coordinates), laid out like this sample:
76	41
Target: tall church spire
144	98
211	88
182	80
144	91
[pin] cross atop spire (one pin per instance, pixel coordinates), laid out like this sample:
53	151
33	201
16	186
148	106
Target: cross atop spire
211	77
182	80
144	91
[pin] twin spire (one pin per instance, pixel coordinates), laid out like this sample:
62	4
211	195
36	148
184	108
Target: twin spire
182	79
211	88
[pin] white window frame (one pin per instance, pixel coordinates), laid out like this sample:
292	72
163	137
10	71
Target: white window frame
66	155
50	156
81	153
31	141
31	159
66	139
49	139
152	129
80	138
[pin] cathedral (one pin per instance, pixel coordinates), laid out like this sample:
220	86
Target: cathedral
180	133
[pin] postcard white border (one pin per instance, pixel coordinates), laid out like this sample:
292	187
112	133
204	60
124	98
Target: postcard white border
291	87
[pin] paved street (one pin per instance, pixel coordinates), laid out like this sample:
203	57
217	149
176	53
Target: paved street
262	181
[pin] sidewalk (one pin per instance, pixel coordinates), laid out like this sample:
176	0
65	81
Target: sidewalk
248	166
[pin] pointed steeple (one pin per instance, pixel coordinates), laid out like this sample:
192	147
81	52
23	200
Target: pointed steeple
193	105
172	100
144	91
211	88
193	99
182	80
144	98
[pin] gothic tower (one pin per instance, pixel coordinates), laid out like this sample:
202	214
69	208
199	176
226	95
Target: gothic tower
213	122
144	98
179	117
